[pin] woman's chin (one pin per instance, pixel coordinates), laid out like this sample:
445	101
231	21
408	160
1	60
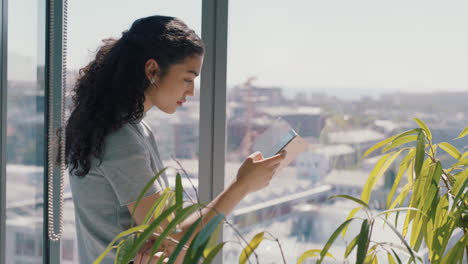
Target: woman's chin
169	110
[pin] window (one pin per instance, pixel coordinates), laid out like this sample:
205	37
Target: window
68	249
25	130
25	244
344	75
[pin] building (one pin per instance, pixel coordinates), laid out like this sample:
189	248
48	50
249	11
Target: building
307	121
318	160
359	139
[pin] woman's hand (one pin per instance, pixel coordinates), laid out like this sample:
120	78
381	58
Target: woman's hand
256	172
165	251
144	254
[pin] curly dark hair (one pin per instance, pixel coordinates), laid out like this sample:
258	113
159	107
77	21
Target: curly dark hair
110	90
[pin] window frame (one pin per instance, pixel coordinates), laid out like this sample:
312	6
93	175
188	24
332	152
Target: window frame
212	139
53	69
3	122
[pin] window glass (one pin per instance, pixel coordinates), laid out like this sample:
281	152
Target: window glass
25	131
344	75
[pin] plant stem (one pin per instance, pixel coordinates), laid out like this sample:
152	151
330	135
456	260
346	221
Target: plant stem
279	245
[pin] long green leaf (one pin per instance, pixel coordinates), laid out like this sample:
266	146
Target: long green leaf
402	239
248	250
354	199
408	132
389	140
390	259
332	239
450	149
380	168
371	180
420	153
461	174
463	162
116	238
377	146
400	141
198	254
170	202
411	177
213	241
363	242
204	235
101	257
184	213
464	155
350	215
157	206
145	189
401	170
464	133
401	197
396	256
179	192
459	189
188	234
310	254
351	246
399	210
417	199
123	247
148	233
371	257
211	254
422	125
455	254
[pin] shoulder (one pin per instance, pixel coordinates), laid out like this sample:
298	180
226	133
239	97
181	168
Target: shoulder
125	140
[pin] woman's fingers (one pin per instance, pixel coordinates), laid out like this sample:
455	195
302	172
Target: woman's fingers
156	257
137	259
147	258
256	156
144	254
141	253
275	160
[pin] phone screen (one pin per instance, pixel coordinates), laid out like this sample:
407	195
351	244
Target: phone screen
283	142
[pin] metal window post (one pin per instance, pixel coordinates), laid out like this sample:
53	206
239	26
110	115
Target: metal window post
53	74
3	125
213	101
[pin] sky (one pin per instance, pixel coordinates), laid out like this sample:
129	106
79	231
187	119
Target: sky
397	45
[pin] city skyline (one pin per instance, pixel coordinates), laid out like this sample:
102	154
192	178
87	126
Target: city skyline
398	46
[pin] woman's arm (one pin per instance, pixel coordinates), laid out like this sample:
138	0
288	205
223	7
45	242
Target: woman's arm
254	174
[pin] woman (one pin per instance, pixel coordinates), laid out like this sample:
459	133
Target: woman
111	152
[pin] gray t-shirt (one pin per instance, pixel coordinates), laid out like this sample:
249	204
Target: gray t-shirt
130	160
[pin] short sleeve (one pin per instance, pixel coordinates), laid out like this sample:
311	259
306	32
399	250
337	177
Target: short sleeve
128	169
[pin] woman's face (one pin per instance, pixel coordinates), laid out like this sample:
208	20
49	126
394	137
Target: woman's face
171	91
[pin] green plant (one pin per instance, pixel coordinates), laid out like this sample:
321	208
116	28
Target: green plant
438	202
438	207
169	207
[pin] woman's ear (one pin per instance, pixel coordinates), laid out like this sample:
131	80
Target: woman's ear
152	70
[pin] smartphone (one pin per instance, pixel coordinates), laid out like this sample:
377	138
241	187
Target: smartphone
281	144
277	137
